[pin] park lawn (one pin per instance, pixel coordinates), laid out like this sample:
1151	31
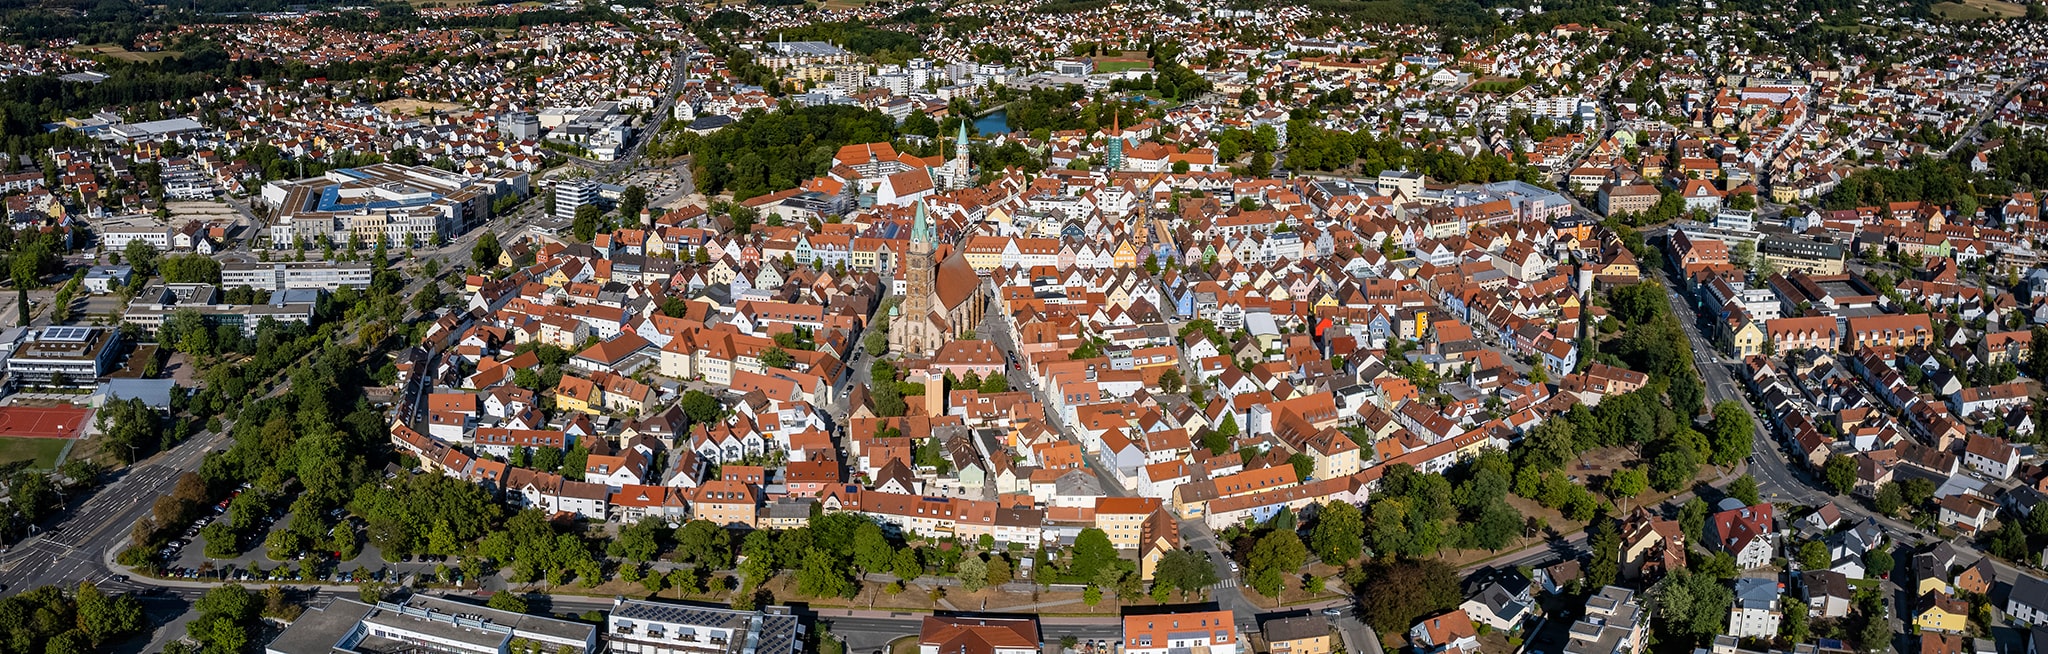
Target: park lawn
1966	10
42	452
1120	65
117	51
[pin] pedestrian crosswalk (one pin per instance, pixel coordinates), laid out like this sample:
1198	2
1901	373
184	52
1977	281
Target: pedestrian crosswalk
1227	583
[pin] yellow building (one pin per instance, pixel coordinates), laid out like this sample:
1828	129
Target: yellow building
1123	519
1940	612
1748	340
1305	634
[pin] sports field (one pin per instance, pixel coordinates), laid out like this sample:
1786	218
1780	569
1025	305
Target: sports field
42	451
1977	9
44	422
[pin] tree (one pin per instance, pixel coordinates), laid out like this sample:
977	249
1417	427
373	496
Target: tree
1674	467
1813	555
1304	465
1744	490
1731	433
1170	381
586	222
1394	593
1878	561
639	542
1627	483
871	549
1876	633
103	617
1605	538
1188	571
704	543
631	201
701	407
973	573
143	256
1890	498
1691	606
1276	557
485	253
823	575
905	565
1793	627
1692	519
1840	473
1092	550
1338	535
776	357
226	614
995	383
508	601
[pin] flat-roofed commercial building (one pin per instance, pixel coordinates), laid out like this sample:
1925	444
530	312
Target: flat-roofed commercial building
158	303
640	627
400	204
427	624
63	355
326	276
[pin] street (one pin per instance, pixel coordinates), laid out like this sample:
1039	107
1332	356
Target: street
79	547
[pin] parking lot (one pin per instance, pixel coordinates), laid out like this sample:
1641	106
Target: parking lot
664	185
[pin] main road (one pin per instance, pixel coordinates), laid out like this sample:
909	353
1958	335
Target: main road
74	549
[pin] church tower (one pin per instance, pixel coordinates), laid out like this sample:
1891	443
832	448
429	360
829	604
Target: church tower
958	174
1116	144
910	331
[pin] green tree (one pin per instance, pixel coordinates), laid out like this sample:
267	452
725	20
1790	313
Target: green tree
143	256
1188	571
485	253
973	573
103	617
1878	561
1793	627
701	407
1840	474
586	222
1338	535
1691	607
508	601
1731	432
704	543
1091	552
1813	555
823	575
776	357
1304	465
871	549
1394	593
905	565
1626	483
1605	540
1890	498
1277	556
1744	490
631	201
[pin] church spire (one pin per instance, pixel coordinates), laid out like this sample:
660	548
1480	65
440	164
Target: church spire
921	228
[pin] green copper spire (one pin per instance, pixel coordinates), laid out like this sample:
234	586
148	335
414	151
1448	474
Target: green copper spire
921	229
960	142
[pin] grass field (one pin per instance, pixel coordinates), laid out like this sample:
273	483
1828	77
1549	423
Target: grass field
116	51
1960	10
1120	65
43	451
